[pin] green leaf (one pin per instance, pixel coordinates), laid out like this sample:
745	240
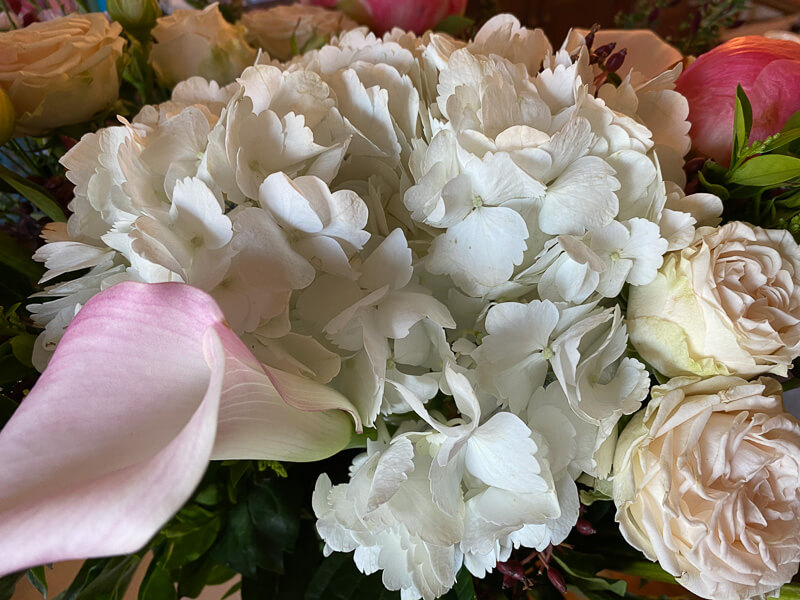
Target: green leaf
193	545
588	582
239	546
791	591
232	590
22	347
713	188
208	496
464	589
157	585
12	371
193	578
589	497
339	579
102	579
790	201
274	512
39	580
792	122
8	584
742	124
33	193
17	257
276	467
766	171
455	25
776	142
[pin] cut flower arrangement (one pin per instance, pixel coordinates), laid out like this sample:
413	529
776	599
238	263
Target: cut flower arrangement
458	316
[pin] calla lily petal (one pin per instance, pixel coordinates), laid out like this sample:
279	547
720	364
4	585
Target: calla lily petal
270	414
118	431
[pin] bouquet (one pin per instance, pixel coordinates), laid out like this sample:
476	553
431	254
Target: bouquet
474	285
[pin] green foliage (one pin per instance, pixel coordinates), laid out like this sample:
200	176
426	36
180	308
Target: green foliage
38	579
33	193
102	578
8	584
762	183
589	584
698	34
16	256
16	348
456	25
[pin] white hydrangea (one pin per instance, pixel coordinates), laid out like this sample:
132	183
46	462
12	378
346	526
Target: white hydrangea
410	219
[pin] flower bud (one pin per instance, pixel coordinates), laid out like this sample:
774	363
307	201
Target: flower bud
603	51
557	580
135	16
615	61
7	117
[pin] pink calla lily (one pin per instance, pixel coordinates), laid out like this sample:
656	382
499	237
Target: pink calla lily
147	385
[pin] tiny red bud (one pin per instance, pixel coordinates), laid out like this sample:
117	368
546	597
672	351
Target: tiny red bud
615	61
67	141
604	51
693	166
584	527
513	569
557	580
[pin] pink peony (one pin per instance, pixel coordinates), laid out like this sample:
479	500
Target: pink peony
769	72
382	15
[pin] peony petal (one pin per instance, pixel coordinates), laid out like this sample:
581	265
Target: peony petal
117	433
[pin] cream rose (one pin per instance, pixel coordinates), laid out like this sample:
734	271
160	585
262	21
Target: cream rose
60	72
727	304
707	482
199	42
274	28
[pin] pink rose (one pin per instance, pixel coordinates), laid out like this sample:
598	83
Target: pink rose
382	15
769	72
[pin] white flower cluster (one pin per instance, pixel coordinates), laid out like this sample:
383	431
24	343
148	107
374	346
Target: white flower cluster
438	230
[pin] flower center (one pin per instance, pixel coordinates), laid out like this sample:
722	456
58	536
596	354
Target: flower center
547	354
477	202
615	256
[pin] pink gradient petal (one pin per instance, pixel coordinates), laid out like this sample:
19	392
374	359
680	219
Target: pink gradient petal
270	414
118	431
769	72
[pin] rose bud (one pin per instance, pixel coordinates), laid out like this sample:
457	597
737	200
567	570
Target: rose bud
769	72
135	16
